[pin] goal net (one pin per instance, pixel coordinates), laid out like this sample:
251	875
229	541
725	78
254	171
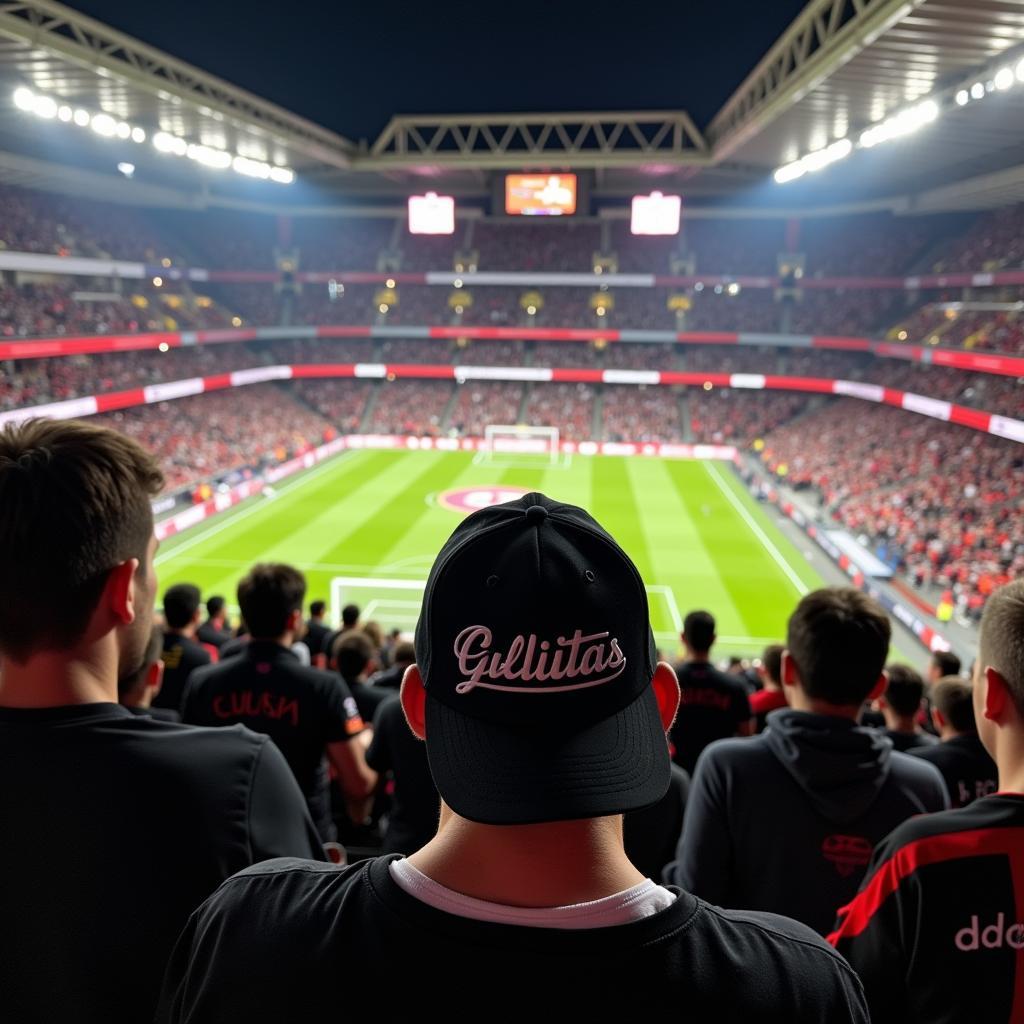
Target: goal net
504	441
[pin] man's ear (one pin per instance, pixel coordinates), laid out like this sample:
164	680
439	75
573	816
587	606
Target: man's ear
666	690
879	688
120	591
938	720
997	696
155	677
414	698
790	673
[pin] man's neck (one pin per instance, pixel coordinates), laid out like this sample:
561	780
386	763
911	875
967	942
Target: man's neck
900	723
799	701
513	865
285	640
56	679
188	632
698	658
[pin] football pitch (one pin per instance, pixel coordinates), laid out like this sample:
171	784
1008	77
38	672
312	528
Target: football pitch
366	525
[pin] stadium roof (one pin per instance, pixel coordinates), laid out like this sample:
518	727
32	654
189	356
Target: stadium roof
842	66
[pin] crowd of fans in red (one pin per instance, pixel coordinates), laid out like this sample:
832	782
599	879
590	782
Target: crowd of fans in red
940	507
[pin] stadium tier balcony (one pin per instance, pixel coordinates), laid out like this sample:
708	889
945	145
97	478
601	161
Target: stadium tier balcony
648	356
565	353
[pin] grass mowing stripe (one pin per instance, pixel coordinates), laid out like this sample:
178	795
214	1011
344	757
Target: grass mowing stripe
613	505
377	534
780	560
348	462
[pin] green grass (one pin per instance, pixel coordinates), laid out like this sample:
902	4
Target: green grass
375	514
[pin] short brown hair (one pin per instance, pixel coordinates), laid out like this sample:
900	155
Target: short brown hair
952	697
76	502
771	658
353	651
1001	639
268	595
839	639
904	690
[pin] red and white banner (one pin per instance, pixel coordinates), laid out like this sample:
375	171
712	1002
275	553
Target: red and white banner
976	419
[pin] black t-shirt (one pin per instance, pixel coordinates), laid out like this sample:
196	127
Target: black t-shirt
390	679
904	742
967	768
295	941
316	634
415	804
301	709
115	827
181	655
712	706
367	697
162	714
208	633
937	931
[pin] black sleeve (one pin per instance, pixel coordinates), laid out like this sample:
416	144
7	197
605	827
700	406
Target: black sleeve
341	720
279	821
704	854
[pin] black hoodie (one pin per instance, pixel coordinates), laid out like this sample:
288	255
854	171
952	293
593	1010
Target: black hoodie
786	821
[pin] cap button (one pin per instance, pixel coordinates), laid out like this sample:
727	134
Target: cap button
535	513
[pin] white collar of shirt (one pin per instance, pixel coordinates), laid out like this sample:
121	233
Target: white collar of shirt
640	901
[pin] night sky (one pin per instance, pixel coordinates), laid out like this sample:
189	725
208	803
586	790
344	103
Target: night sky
350	66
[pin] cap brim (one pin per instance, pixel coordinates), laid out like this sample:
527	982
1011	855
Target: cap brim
497	775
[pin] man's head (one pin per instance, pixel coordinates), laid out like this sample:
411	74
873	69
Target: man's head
942	664
271	598
404	654
771	666
215	608
349	616
699	633
181	606
904	692
317	610
354	654
536	686
836	645
953	707
137	687
999	671
76	539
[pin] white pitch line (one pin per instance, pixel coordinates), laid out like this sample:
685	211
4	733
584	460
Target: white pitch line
244	510
780	560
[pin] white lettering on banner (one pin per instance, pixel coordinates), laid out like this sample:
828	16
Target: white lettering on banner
172	390
869	392
1004	426
926	406
258	374
531	659
70	409
632	377
993	936
746	380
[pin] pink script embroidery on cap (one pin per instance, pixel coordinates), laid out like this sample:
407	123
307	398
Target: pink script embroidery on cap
531	659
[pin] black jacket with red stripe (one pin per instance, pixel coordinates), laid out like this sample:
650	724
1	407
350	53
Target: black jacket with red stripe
936	932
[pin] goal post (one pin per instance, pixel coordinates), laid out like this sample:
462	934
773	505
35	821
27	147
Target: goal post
502	439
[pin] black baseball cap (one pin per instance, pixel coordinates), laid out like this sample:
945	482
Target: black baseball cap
535	648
